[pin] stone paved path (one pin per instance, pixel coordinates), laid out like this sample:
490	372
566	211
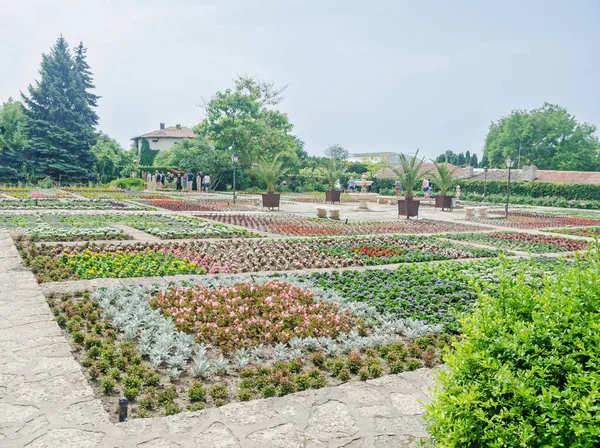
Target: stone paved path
45	400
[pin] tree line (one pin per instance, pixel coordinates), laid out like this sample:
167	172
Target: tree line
52	133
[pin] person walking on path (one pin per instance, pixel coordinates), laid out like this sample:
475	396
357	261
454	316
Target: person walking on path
351	184
398	186
206	182
190	180
199	181
425	187
170	179
178	183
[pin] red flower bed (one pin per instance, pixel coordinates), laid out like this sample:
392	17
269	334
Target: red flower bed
539	221
564	243
294	226
247	314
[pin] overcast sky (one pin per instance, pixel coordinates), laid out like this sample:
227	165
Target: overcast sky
370	75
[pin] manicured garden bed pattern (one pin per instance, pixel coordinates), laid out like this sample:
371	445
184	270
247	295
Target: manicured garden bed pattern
523	220
227	339
26	193
69	204
590	232
52	263
79	227
197	205
524	242
295	226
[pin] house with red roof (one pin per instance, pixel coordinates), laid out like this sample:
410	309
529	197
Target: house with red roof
164	137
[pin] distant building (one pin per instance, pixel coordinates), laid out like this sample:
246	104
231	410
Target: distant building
389	158
164	138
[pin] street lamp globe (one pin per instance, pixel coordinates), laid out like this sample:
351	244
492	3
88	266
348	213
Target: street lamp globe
234	157
509	163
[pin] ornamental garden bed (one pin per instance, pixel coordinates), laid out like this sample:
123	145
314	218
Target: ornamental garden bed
57	263
295	226
525	242
69	204
203	343
83	227
197	205
160	348
590	232
522	220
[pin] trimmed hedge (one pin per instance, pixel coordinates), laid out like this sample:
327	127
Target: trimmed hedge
527	370
534	189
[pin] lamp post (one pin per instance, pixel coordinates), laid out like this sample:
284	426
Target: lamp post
234	159
485	170
509	165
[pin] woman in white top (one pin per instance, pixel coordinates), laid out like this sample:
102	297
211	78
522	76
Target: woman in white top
206	182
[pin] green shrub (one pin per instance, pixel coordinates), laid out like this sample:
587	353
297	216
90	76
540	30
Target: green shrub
526	372
218	392
197	406
130	183
107	384
131	393
196	392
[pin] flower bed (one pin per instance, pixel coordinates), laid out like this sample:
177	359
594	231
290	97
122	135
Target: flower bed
523	241
247	314
69	204
75	227
126	349
430	293
126	263
196	205
253	255
522	220
590	232
294	226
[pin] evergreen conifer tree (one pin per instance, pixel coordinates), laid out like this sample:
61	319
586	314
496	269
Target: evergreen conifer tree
60	118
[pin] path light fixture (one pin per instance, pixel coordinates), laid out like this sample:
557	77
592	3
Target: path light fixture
234	159
509	165
485	170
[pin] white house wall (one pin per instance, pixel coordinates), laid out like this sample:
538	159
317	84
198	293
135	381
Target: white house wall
161	143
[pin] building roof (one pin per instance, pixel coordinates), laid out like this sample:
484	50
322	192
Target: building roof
579	177
171	132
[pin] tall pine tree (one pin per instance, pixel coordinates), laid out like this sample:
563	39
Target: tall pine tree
60	117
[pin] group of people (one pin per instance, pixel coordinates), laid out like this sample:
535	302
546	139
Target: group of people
425	186
182	181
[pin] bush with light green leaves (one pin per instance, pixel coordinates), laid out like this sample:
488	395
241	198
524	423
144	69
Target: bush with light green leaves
526	372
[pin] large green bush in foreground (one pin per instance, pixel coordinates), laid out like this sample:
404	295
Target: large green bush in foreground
527	372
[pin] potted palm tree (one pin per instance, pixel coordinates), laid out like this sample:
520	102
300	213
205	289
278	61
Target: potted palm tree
409	173
335	169
444	180
270	171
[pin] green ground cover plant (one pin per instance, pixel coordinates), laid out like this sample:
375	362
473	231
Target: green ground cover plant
590	232
525	373
433	293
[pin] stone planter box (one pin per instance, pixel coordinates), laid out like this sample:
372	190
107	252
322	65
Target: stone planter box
333	196
408	208
321	213
271	201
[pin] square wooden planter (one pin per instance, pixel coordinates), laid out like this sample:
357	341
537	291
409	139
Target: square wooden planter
443	202
332	196
408	208
271	200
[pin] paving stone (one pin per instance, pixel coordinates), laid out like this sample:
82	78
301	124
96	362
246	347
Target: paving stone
406	404
375	411
185	421
136	427
67	438
217	435
57	364
63	388
330	421
405	425
33	425
85	413
249	413
391	382
158	442
280	436
387	441
359	393
14	413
